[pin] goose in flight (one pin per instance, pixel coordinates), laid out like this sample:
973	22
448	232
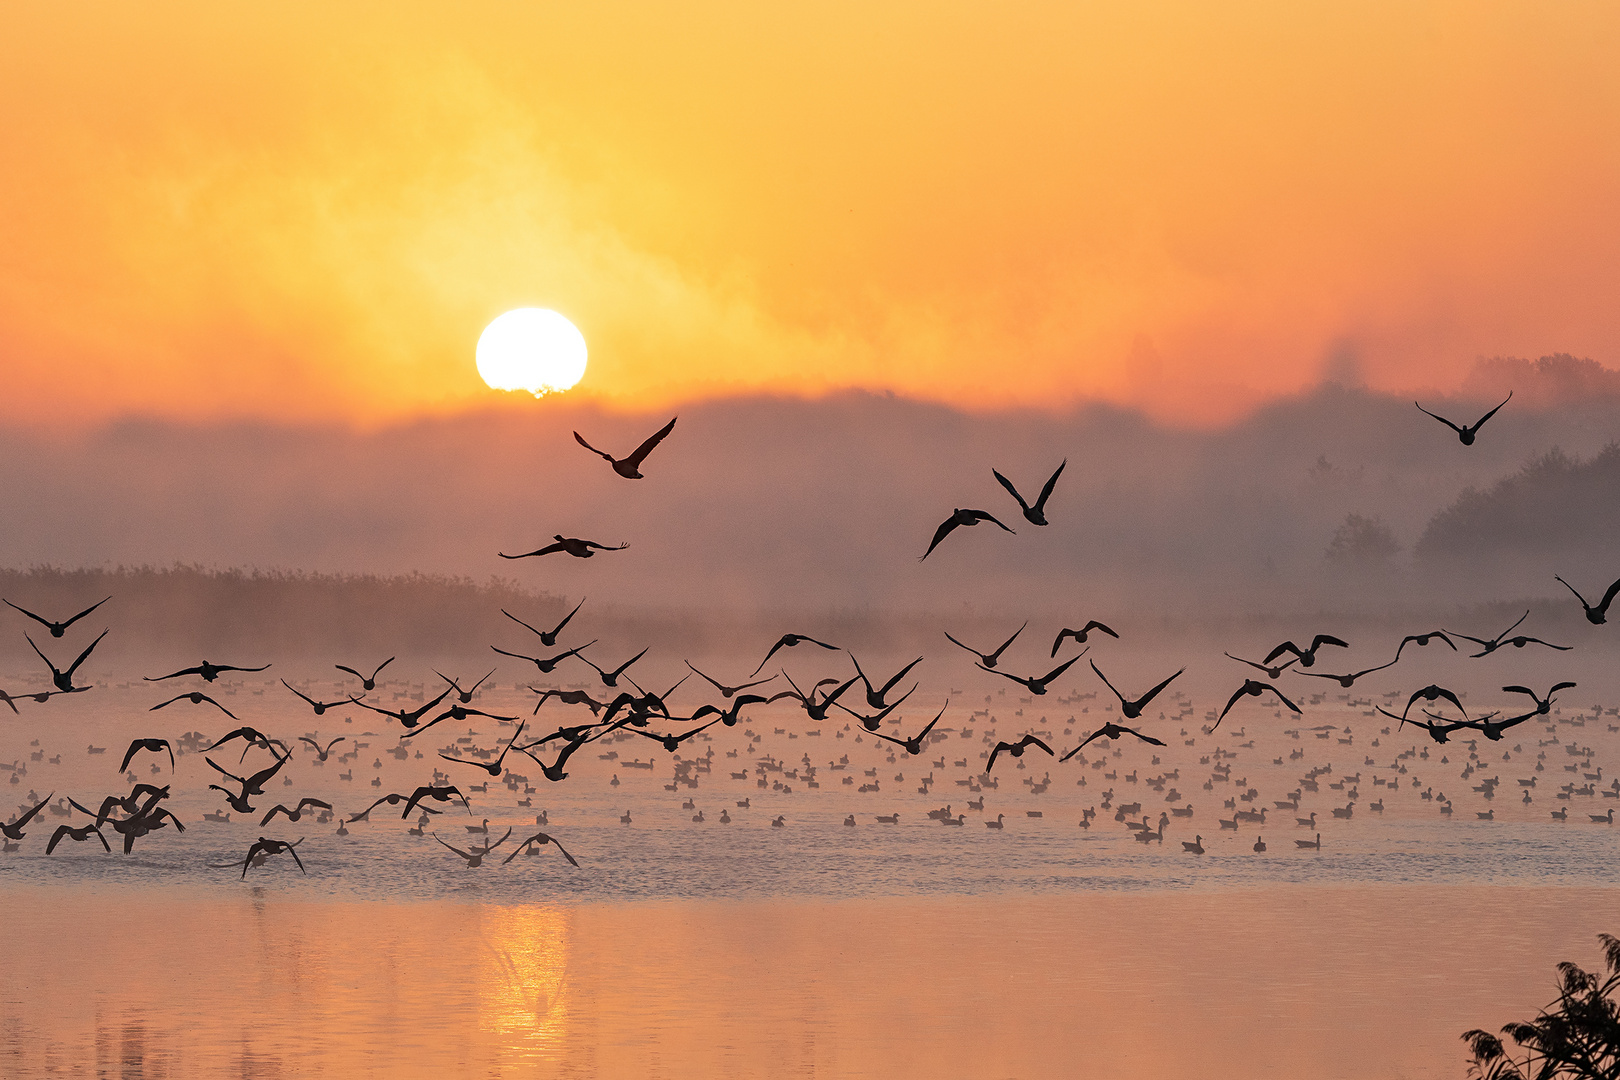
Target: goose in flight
464	694
475	857
1424	639
1518	641
875	696
630	467
1035	515
539	840
1596	615
1016	749
265	846
1349	680
958	518
1080	635
320	707
988	659
493	767
63	680
367	682
789	641
252	785
57	629
1110	731
1133	709
196	697
1037	686
1466	434
154	745
1307	657
1432	693
317	746
914	745
1253	688
548	664
14	830
208	671
1273	671
1543	704
296	812
573	545
548	638
611	678
728	691
81	833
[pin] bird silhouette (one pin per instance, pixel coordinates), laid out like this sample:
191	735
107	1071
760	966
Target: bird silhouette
296	812
672	743
1273	671
1432	693
1035	515
320	707
14	830
315	746
548	638
611	678
875	696
872	723
728	691
1543	704
464	694
1598	615
1307	657
914	745
573	545
437	794
57	629
81	833
1110	731
540	839
1518	642
196	697
266	846
154	745
731	715
1466	434
367	682
958	518
988	659
576	738
1016	749
1036	686
208	671
492	767
789	641
1252	688
1349	680
547	665
254	737
251	786
63	680
1423	639
1133	709
393	799
816	710
1493	730
567	697
1440	732
409	718
1080	635
630	467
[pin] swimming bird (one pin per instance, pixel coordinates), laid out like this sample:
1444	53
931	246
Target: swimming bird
1466	434
317	746
208	671
1518	642
788	641
630	467
154	745
1597	616
491	767
14	830
57	629
540	839
1196	847
1307	657
1080	635
296	812
914	744
548	638
320	707
196	697
81	833
875	696
1133	709
1273	671
1259	845
367	682
1315	845
475	857
1035	515
988	659
1252	688
549	663
1112	732
267	846
1543	705
1016	749
1036	686
728	691
958	518
573	545
63	680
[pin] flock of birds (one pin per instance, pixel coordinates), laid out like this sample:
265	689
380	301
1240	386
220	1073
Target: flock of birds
624	709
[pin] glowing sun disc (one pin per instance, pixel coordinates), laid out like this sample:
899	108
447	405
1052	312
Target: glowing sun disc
533	349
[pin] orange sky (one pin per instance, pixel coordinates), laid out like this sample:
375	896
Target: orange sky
298	211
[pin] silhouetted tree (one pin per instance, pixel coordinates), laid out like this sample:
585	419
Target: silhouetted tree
1362	542
1576	1036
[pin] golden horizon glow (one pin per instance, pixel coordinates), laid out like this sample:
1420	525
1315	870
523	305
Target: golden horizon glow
533	349
307	213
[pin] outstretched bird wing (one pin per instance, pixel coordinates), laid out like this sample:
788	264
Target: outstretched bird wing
1421	409
1481	421
1046	492
646	448
606	457
1008	484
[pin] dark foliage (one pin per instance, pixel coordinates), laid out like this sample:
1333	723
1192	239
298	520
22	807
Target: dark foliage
1577	1036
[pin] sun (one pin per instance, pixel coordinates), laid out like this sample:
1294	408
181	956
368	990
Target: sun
533	349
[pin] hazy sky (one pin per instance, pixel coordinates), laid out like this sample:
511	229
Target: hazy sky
300	211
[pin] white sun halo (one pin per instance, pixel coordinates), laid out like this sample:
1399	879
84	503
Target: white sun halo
533	349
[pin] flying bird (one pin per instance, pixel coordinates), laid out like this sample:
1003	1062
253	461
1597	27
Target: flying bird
1252	688
1493	731
1440	732
1349	680
789	641
1015	749
367	682
315	746
914	745
988	659
539	839
1432	693
196	697
548	638
296	812
611	678
63	680
1133	709
1543	704
254	737
1307	657
475	857
1035	515
493	767
82	833
875	696
630	467
1598	615
407	717
393	799
1518	642
273	847
958	518
464	694
728	691
319	706
1273	671
1080	635
1466	434
57	629
672	743
252	785
1423	639
573	545
437	794
153	745
547	665
1036	686
1111	731
14	830
208	671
